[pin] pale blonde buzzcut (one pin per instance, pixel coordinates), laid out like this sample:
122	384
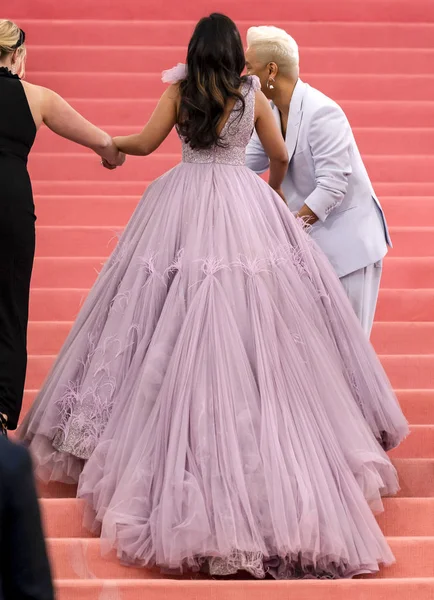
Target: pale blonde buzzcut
275	45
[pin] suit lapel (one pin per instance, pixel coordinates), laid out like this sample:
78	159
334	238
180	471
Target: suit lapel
295	117
292	130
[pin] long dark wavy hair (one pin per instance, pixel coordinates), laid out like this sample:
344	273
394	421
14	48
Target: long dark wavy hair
215	61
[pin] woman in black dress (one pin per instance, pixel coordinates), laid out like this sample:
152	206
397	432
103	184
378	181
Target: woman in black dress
23	108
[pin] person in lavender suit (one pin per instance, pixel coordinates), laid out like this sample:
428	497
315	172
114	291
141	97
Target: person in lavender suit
327	183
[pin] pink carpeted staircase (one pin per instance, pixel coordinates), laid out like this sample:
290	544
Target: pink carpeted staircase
376	57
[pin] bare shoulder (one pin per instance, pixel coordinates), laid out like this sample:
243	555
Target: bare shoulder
262	105
171	99
260	97
36	98
173	93
43	94
36	91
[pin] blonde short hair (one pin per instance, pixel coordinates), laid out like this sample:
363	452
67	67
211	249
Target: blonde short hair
275	45
9	36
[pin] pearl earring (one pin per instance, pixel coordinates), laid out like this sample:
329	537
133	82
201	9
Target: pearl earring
270	85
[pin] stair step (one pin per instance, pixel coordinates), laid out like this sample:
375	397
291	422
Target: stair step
338	86
404	305
409	273
417	405
166	33
416	477
407	517
71	241
403	338
419	444
396	11
66	272
413	241
56	304
76	558
407	371
107	211
115	58
398	214
356	589
388	141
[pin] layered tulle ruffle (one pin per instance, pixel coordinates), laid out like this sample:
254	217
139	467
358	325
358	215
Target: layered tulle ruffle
221	394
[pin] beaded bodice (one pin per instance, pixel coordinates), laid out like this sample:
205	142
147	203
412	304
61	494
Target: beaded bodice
236	132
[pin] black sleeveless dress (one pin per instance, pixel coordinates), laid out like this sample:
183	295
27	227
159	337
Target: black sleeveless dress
17	240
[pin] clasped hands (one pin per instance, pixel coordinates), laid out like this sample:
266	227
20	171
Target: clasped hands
114	165
115	158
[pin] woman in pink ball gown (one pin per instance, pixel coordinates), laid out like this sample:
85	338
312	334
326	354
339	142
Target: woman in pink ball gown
217	399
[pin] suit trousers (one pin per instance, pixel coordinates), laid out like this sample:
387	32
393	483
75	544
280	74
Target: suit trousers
362	289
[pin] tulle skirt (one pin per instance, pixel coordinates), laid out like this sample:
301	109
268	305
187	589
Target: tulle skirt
217	399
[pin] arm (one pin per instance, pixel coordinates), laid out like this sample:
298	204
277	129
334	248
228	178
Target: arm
272	141
330	143
61	118
256	157
157	129
25	568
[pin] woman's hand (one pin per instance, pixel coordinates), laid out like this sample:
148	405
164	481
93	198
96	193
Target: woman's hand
121	158
119	161
107	165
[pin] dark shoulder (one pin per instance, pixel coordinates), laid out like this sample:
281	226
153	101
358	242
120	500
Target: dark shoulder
13	458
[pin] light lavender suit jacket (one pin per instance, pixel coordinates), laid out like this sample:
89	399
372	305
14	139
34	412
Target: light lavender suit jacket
327	173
